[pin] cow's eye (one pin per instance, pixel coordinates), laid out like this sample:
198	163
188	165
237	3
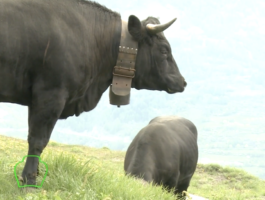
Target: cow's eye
164	51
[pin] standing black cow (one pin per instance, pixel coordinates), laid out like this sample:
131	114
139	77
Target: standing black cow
164	152
57	58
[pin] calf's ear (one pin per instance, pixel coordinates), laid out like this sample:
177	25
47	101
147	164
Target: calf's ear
135	28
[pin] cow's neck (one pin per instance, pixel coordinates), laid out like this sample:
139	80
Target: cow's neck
124	70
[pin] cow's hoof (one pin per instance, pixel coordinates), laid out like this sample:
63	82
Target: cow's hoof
24	183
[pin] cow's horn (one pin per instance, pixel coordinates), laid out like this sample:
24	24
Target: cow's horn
157	28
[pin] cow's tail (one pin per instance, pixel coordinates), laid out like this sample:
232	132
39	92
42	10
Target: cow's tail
141	165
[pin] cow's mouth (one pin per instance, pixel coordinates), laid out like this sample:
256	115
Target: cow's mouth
170	91
179	87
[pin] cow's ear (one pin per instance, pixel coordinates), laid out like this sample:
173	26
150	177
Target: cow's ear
135	28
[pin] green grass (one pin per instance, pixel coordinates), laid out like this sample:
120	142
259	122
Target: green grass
78	172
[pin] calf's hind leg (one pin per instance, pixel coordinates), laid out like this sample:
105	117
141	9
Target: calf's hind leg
43	114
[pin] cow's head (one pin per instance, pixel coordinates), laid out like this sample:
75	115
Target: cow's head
155	66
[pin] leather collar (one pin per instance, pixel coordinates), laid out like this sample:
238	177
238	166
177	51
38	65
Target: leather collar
124	71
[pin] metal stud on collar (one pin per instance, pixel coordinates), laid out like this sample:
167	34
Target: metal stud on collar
125	49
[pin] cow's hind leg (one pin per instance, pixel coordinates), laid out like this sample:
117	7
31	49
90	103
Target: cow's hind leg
171	183
183	186
43	114
177	187
147	176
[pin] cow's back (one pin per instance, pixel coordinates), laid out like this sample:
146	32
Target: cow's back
183	134
166	146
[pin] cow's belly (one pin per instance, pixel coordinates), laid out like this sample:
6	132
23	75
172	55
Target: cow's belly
12	97
13	89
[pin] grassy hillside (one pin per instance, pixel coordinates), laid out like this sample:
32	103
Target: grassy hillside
78	172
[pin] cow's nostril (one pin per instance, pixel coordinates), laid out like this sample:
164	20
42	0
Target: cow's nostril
185	83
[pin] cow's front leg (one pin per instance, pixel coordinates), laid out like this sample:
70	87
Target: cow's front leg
42	116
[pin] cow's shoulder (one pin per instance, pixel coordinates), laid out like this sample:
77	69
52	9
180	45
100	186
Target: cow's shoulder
189	125
173	121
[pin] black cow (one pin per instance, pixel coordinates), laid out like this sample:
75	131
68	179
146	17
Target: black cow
57	58
164	152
